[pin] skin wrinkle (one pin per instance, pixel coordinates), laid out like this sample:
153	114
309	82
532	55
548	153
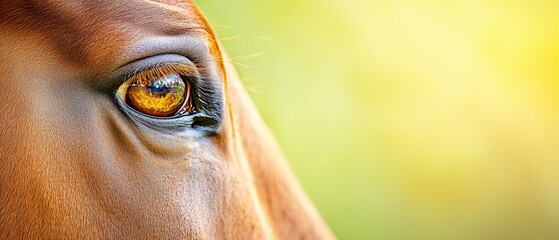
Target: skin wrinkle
74	165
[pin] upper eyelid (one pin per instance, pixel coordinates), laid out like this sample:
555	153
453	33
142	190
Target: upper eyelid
163	69
110	82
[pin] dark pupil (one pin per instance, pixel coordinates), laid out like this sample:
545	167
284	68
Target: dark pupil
157	87
166	84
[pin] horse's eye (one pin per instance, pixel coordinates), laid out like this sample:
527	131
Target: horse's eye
158	94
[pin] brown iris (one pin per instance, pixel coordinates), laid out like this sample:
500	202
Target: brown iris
157	93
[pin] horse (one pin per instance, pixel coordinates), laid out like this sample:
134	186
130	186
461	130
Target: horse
126	120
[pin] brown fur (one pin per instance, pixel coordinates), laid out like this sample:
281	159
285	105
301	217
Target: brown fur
72	166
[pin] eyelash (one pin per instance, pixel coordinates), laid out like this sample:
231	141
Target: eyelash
180	69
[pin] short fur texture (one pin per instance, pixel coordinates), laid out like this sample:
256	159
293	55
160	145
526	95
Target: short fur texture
73	166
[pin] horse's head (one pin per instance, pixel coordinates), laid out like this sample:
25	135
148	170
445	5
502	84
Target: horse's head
120	119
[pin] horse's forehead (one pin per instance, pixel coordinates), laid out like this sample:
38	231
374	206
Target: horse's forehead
89	32
138	13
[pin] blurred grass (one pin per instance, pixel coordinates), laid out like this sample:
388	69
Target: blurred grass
410	119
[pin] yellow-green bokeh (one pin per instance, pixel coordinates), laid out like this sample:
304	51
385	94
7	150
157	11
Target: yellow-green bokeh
410	119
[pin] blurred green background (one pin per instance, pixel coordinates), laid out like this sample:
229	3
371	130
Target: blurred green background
409	119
